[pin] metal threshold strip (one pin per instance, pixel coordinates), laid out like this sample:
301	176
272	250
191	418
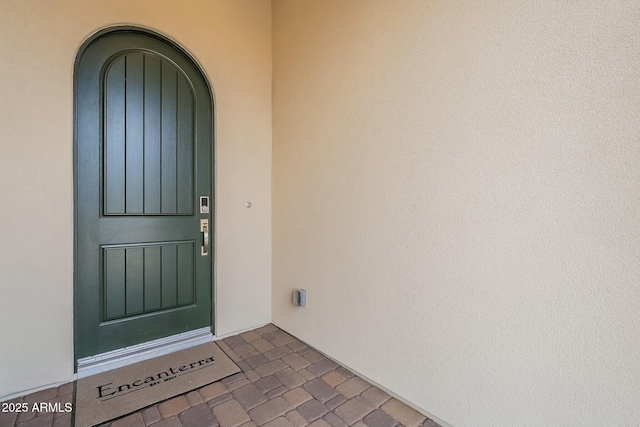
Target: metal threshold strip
92	365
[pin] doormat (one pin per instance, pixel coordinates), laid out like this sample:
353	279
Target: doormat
118	392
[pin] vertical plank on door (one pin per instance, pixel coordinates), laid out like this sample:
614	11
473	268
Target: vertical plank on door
169	276
134	280
185	274
114	134
168	139
152	126
185	147
134	156
152	278
114	283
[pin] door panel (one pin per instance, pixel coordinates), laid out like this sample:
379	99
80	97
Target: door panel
143	153
139	279
148	136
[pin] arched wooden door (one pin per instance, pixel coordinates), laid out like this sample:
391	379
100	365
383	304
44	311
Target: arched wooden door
143	141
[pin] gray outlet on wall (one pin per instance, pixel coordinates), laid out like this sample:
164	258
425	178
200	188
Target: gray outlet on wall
300	297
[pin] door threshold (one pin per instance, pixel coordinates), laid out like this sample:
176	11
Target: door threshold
99	363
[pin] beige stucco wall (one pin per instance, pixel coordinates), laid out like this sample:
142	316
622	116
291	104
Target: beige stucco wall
231	40
457	186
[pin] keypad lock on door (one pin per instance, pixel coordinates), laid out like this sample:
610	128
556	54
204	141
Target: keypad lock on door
204	205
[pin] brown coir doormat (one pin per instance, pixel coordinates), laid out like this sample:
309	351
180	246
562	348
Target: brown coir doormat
115	393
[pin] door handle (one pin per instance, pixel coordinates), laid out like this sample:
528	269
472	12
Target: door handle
204	228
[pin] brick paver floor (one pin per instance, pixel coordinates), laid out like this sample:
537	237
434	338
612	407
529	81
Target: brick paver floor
283	383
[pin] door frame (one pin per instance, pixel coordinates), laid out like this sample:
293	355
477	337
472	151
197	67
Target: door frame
165	39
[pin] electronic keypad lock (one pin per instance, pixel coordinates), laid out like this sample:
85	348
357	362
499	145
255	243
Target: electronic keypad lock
204	204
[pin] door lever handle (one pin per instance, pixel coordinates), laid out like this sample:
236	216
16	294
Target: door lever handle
204	228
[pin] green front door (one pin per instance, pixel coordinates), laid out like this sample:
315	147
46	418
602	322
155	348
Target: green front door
143	162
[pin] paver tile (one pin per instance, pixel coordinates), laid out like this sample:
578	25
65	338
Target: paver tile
133	420
335	402
268	383
283	340
250	336
249	354
313	356
320	423
252	376
297	396
405	415
379	419
212	390
23	416
279	422
41	421
308	375
320	390
62	421
296	361
430	423
354	410
304	350
296	419
41	396
223	345
230	414
262	345
269	410
65	389
194	398
353	387
277	353
296	345
168	422
151	415
375	396
233	356
234	341
276	392
249	396
233	386
199	416
249	424
256	361
334	420
266	329
270	368
243	366
270	336
322	367
8	419
290	378
233	378
60	402
333	378
219	400
312	410
243	349
345	372
173	407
